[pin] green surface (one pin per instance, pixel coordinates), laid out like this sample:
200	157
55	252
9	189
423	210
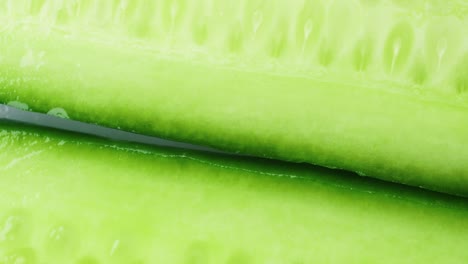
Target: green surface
375	87
71	199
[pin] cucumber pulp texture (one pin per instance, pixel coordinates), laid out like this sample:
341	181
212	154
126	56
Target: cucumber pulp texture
374	87
72	199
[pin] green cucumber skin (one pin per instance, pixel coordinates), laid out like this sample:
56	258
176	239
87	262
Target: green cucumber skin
386	127
75	199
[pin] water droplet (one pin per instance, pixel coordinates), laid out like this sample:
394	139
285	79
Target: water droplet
3	111
7	228
58	112
18	105
115	245
56	233
441	49
396	51
60	240
27	60
360	173
257	21
308	28
15	228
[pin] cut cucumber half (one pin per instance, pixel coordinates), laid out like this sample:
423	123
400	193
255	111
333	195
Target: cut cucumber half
72	199
374	87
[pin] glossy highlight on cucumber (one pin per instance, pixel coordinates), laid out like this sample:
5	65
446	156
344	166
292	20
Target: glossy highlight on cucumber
374	87
77	199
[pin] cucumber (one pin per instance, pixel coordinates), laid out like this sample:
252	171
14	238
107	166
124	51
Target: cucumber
374	87
75	199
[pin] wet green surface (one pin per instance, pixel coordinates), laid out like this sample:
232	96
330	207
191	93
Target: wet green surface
72	199
374	87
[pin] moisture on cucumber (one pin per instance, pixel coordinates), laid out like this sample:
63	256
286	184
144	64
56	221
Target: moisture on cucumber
71	199
375	87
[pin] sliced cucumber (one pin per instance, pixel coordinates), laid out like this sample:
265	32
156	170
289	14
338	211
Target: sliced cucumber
375	87
71	199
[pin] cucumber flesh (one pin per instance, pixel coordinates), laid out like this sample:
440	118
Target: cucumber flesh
75	199
374	87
